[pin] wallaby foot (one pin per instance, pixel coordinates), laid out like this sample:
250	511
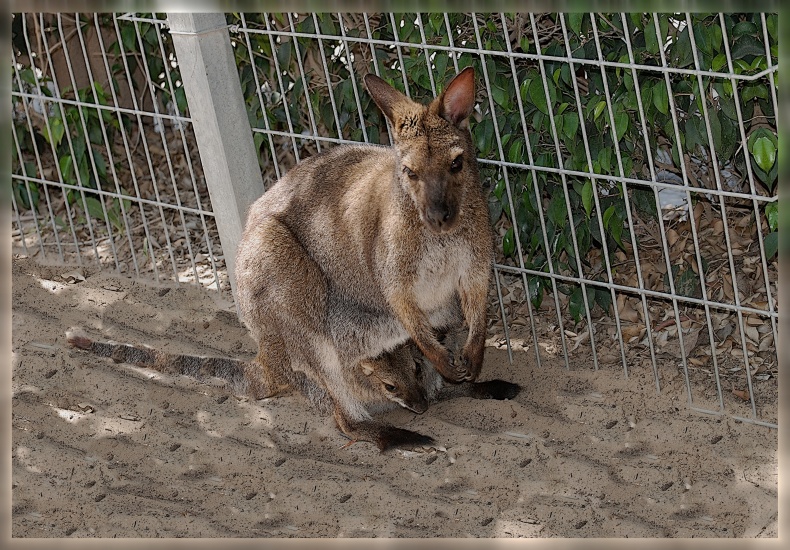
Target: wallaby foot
384	436
263	380
494	389
491	389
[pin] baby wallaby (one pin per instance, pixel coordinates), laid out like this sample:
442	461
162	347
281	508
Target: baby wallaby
393	378
362	247
400	377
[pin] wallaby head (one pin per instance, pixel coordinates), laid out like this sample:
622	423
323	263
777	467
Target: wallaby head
436	157
397	376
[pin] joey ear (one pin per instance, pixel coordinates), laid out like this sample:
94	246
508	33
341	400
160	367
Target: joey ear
367	368
458	100
385	96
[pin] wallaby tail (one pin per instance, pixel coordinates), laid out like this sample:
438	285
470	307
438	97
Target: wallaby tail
237	374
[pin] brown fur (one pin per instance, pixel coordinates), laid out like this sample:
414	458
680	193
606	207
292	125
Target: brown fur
400	377
361	248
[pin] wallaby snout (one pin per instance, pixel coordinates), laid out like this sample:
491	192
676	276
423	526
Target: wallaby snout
440	217
441	214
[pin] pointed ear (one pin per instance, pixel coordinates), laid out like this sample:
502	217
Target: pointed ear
385	96
458	100
367	368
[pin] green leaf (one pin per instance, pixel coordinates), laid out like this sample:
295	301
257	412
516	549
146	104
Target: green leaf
508	243
772	213
660	97
94	207
54	134
570	125
651	43
516	153
576	304
755	90
771	243
500	96
764	153
67	168
603	299
128	36
599	109
607	215
621	124
557	210
587	197
718	62
575	22
538	96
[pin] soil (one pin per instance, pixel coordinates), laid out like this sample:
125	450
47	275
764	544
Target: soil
109	450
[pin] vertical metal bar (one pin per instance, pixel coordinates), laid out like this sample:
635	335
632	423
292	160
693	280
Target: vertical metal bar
651	167
283	92
524	280
676	127
67	135
353	77
427	54
593	179
178	125
305	88
400	55
148	242
221	126
259	91
567	199
329	90
149	160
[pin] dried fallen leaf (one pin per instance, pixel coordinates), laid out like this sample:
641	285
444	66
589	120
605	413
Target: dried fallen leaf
741	394
73	276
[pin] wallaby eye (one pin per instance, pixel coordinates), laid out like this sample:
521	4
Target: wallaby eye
417	369
408	171
457	164
389	387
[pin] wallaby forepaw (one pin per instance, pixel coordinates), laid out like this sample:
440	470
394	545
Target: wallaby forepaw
391	437
495	389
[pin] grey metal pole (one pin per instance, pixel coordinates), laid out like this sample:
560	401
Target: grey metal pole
222	129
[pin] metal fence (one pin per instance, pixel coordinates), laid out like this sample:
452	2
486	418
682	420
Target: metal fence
103	151
653	243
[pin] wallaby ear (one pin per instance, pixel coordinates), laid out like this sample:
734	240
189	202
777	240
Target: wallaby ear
457	102
367	368
385	96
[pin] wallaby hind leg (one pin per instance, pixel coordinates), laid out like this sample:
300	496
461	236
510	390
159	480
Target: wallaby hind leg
382	435
266	374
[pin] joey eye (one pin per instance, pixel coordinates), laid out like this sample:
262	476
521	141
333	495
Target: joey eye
417	369
409	172
457	164
389	387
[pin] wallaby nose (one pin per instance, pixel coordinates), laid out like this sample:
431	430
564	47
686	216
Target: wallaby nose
420	406
439	215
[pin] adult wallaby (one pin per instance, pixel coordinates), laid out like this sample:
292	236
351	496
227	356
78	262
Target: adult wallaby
362	247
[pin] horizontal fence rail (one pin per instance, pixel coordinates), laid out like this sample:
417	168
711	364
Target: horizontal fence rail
630	159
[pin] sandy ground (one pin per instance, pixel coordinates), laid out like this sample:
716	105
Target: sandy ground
106	450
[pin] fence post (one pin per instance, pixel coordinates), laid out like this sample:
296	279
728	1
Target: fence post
222	129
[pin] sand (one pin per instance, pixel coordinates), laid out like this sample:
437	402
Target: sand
110	450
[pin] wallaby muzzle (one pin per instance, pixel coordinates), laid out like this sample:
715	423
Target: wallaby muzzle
440	211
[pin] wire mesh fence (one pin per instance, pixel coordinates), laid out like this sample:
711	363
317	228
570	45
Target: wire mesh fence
105	168
630	158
